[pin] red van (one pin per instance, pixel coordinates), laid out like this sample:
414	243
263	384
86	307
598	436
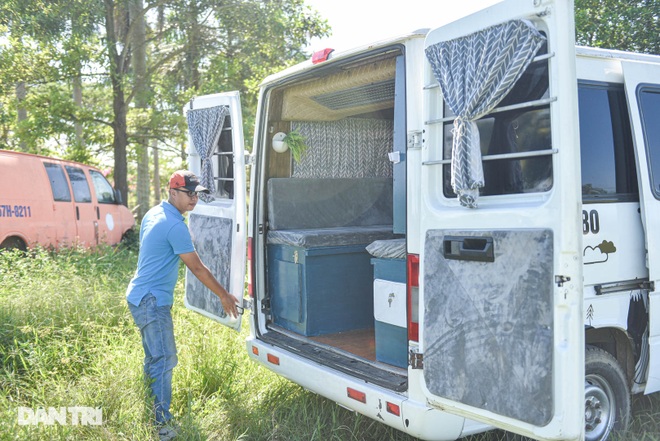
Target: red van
57	203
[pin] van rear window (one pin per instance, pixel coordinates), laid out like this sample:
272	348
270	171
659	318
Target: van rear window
58	182
511	139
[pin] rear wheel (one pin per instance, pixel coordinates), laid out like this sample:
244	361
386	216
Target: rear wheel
13	243
606	397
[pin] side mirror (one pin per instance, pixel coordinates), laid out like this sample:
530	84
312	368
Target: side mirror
118	199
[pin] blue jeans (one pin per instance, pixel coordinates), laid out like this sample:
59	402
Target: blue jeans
155	324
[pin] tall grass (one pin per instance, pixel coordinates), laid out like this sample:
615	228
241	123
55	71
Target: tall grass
67	339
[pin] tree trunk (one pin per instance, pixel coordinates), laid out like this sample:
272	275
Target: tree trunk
120	139
157	195
77	100
21	95
138	43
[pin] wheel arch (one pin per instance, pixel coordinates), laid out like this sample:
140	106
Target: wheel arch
14	240
618	343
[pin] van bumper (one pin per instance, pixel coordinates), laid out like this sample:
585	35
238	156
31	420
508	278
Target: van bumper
415	418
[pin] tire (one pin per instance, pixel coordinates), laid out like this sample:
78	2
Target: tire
13	243
130	239
606	397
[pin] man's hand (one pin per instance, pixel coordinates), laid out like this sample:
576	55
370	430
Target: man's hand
201	271
229	302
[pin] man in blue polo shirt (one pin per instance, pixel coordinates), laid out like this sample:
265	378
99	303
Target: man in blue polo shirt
164	239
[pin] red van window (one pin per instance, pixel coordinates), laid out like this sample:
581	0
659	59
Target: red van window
79	184
58	182
104	191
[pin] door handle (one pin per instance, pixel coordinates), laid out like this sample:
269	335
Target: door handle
472	248
77	213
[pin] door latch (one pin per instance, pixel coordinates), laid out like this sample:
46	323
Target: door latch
560	280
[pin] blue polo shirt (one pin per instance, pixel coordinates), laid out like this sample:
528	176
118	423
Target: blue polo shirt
163	236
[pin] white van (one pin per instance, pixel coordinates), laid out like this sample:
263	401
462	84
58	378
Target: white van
468	241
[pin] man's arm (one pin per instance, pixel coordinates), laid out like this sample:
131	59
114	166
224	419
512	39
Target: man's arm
201	271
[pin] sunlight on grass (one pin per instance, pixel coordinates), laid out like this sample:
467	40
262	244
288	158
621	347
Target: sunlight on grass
67	339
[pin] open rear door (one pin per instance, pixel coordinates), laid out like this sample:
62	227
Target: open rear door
642	82
218	224
502	333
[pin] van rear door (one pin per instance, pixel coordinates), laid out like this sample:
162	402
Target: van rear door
643	94
502	332
218	225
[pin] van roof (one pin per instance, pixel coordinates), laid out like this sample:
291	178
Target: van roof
594	52
49	158
337	56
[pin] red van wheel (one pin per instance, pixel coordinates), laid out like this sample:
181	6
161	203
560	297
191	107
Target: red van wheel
13	243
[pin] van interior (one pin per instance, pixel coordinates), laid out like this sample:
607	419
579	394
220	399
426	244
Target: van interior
335	219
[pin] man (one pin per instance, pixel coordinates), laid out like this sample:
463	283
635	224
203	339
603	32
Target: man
164	238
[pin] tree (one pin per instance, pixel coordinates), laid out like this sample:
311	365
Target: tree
619	24
112	76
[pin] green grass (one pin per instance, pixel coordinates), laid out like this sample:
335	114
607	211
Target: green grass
67	339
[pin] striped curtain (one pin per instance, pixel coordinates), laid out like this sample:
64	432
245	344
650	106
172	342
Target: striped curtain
205	126
348	148
475	73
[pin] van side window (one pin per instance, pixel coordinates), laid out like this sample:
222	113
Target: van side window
648	98
223	163
105	194
58	182
520	131
608	162
79	184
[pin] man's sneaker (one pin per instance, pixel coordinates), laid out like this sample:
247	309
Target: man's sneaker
168	432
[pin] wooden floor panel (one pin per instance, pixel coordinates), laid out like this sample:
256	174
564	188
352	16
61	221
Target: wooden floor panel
360	342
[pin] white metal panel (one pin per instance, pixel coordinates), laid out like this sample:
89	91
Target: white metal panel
390	302
636	77
614	250
556	211
231	212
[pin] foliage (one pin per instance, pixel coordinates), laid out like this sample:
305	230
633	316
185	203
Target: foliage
631	25
194	47
296	143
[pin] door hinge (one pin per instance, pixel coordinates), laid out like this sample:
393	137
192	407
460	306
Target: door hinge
249	158
265	306
414	139
416	360
247	304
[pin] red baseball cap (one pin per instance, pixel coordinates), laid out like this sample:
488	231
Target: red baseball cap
186	179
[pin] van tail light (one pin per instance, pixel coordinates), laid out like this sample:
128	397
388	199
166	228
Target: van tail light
394	409
356	395
413	297
250	267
